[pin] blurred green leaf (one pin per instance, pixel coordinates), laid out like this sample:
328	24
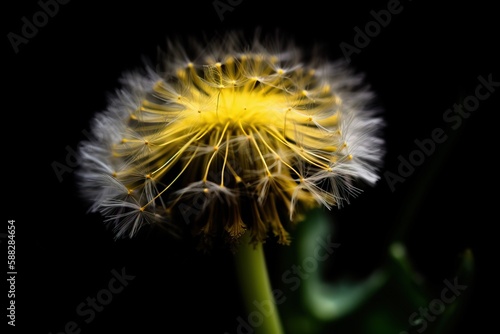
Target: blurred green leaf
388	301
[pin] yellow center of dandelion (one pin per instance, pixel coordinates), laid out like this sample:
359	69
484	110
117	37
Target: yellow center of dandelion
238	121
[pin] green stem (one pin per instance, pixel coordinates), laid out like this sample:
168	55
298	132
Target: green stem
262	313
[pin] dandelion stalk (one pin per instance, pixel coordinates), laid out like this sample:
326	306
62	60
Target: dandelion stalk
256	288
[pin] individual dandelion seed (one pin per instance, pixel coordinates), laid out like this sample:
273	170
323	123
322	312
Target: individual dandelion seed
236	137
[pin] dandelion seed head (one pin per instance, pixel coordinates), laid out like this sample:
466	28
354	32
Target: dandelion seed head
238	138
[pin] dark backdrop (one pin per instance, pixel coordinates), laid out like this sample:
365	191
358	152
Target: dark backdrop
426	59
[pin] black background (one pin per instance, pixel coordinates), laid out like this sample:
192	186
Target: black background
428	58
